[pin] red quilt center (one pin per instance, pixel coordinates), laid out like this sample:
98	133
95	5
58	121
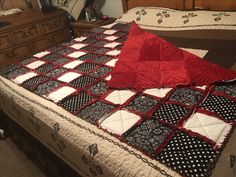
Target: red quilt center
148	61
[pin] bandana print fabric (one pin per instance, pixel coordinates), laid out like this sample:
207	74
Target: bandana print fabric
174	125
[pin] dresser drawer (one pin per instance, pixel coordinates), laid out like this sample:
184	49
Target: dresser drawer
51	40
52	25
4	41
15	54
26	33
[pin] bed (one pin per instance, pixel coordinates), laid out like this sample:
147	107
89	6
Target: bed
60	97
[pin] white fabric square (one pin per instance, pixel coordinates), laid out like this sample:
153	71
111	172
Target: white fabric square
112	44
68	77
199	52
78	46
73	64
80	39
76	54
113	52
20	79
112	62
109	25
158	92
35	64
209	126
41	54
60	93
119	122
119	96
109	31
108	78
202	87
111	38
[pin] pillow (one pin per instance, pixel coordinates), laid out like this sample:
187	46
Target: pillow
197	24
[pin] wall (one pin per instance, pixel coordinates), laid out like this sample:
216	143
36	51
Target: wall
112	8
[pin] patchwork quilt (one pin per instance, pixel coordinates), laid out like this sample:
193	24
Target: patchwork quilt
183	127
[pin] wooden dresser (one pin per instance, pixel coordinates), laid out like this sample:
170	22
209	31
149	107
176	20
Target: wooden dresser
29	32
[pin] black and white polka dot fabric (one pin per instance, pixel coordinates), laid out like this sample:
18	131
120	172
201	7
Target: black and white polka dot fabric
30	84
189	155
224	107
74	102
170	113
83	81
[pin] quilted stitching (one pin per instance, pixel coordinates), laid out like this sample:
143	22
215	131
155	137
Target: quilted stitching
207	126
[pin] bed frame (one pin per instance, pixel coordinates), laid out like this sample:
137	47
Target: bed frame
46	159
182	4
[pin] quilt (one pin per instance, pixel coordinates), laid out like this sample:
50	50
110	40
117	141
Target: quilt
173	125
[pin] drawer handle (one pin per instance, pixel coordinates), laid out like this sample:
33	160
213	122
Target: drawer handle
51	39
11	54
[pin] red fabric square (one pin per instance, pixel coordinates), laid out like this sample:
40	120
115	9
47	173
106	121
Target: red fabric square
148	61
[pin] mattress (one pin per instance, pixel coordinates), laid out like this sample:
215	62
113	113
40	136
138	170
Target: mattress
60	96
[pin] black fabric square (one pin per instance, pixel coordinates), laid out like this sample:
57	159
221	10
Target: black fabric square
65	51
8	68
142	104
17	72
122	27
28	61
46	87
100	72
98	30
86	67
31	83
228	89
101	36
220	105
170	113
121	39
186	96
56	72
100	43
102	59
147	136
87	57
95	111
188	155
88	48
61	61
45	68
99	88
55	48
82	81
89	34
102	50
68	44
75	102
120	34
51	57
89	40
